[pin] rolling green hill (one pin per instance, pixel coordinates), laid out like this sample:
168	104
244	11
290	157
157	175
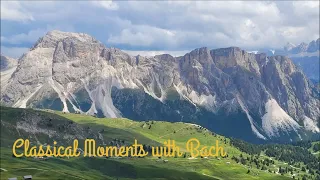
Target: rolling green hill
43	127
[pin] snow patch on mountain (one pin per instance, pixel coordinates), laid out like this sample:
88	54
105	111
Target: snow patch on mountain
310	125
252	123
101	99
276	119
272	51
207	101
254	52
60	94
22	103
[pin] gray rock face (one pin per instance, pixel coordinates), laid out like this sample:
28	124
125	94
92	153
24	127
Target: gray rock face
7	63
314	46
75	68
8	66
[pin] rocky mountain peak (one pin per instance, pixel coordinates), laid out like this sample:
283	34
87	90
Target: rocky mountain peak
7	62
51	39
289	46
200	55
226	58
165	57
311	47
75	72
303	46
314	46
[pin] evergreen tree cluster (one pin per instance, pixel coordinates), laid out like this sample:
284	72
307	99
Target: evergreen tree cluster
293	154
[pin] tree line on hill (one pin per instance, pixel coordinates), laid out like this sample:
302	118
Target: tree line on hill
295	154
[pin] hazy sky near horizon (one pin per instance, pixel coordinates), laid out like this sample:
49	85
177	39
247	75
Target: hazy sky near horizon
148	27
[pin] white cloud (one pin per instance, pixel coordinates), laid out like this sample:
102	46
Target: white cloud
127	36
214	24
309	5
14	52
143	35
32	36
174	25
12	10
29	37
154	53
109	5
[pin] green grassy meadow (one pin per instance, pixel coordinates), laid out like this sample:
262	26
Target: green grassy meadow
152	133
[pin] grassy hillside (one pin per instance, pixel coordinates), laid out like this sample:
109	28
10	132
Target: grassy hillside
42	127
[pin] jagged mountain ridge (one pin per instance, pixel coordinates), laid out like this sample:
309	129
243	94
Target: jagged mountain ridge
292	50
311	47
306	56
8	66
7	62
75	72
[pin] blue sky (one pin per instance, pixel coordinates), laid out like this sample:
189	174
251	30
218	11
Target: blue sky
171	26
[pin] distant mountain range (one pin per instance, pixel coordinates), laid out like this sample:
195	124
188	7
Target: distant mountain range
305	56
309	65
312	47
303	49
254	97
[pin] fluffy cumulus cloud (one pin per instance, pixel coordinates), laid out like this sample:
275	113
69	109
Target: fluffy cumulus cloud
14	52
14	11
31	36
148	27
109	5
